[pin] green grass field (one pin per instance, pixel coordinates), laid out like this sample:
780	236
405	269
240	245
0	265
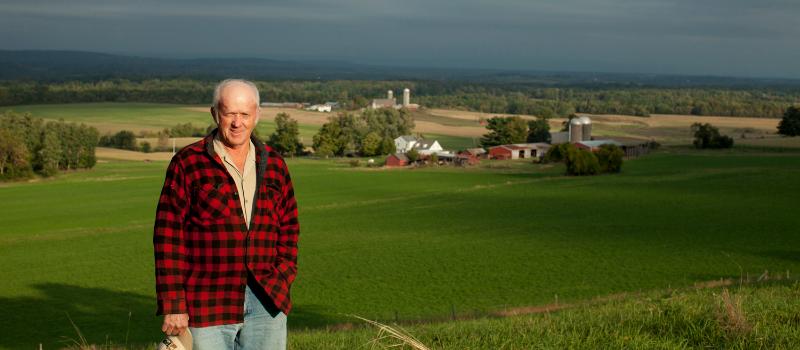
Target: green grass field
752	316
138	117
409	244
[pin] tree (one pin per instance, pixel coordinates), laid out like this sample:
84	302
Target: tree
371	144
610	158
790	123
557	153
51	152
13	156
707	136
388	146
286	138
504	130
145	147
581	162
538	131
412	155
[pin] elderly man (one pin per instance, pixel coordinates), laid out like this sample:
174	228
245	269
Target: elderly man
226	233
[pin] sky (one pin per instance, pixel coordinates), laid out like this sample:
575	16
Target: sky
745	38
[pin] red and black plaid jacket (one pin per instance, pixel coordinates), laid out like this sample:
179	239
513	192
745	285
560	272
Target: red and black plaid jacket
203	249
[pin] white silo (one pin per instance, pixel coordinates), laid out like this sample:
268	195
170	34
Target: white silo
406	97
587	128
575	130
390	94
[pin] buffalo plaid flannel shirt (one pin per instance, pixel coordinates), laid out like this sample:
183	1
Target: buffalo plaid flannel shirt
203	249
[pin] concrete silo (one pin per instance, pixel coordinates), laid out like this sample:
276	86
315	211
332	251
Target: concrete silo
575	130
406	97
587	128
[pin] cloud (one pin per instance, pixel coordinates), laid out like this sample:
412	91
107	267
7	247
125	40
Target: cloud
543	34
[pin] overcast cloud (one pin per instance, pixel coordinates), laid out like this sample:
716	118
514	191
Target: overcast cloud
716	37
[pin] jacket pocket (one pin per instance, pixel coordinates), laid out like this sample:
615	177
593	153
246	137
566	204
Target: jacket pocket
213	203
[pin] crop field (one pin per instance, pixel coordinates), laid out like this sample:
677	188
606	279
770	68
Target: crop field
406	244
455	129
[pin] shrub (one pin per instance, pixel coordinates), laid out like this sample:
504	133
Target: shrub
610	158
557	153
581	162
412	155
145	147
707	136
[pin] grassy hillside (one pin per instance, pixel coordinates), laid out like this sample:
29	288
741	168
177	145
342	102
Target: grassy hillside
409	244
764	316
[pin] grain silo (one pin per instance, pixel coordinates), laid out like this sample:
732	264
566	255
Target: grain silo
587	128
390	94
575	130
406	97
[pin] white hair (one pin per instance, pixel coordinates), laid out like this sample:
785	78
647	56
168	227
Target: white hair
223	84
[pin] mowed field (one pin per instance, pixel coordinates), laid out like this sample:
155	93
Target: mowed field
409	244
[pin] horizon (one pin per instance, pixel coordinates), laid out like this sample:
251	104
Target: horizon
422	67
714	38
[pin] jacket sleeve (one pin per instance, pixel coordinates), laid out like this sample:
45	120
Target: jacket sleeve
169	242
289	231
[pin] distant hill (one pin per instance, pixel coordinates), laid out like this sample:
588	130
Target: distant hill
53	66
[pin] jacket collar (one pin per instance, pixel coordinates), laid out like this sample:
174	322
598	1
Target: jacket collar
261	153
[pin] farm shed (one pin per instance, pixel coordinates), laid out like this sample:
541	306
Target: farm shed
464	159
594	145
518	151
397	159
477	152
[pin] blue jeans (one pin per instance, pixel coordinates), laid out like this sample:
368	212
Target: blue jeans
260	330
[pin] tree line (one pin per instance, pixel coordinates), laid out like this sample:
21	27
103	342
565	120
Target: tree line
509	98
369	133
30	145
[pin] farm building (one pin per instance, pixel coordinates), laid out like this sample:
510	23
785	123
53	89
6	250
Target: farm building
424	146
282	104
476	152
465	158
319	108
383	103
405	143
397	159
518	151
594	145
559	137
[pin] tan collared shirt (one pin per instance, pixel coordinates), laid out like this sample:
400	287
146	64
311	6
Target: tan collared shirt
246	180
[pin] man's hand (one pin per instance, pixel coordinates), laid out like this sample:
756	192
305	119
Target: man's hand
175	324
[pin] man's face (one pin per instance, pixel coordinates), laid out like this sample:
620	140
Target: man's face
236	115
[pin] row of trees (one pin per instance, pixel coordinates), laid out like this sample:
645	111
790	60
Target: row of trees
512	98
370	133
30	145
508	130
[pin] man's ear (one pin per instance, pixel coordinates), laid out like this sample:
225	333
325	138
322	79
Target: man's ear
214	115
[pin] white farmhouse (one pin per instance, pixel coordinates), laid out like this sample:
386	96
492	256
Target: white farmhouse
428	146
404	143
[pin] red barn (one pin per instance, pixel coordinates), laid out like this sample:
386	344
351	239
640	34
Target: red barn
397	159
500	152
